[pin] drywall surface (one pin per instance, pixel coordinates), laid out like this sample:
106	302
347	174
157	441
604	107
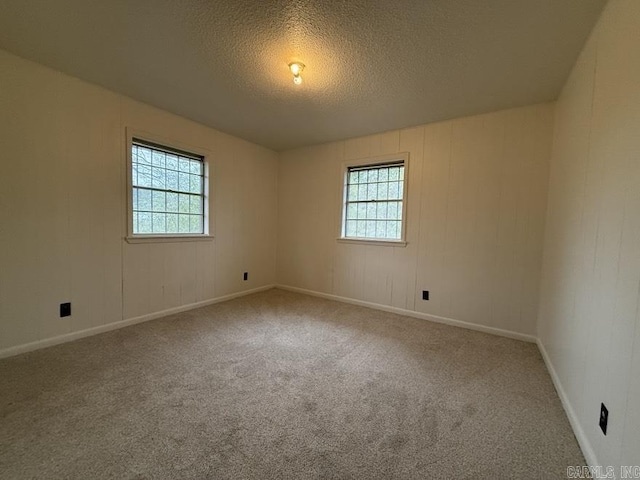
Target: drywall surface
588	321
63	210
477	190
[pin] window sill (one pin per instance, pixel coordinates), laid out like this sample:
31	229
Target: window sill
168	238
367	241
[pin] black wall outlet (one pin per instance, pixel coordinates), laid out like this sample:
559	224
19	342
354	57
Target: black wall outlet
246	276
65	310
425	294
604	418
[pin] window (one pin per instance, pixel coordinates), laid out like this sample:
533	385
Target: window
168	191
374	201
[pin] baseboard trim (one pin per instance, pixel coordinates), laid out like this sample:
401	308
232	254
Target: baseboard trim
69	337
583	441
410	313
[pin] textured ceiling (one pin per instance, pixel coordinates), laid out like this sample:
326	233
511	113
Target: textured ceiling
371	65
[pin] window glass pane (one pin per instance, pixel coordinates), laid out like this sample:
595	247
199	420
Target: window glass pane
195	204
183	203
371	211
383	176
382	191
351	228
158	177
371	229
362	210
372	191
144	176
184	182
157	159
382	211
172	180
172	223
387	233
393	190
196	167
183	223
183	164
159	202
144	199
172	161
383	228
392	230
352	210
373	175
353	177
391	210
361	228
394	173
144	223
400	189
159	222
143	156
196	223
389	230
353	193
362	192
172	202
196	184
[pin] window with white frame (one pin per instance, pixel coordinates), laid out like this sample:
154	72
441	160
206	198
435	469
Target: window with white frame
167	191
374	201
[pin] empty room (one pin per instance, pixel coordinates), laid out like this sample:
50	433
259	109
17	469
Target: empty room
341	239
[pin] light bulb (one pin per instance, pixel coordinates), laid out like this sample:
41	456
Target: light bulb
296	68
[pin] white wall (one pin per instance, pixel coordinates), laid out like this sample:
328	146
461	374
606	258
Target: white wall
477	193
63	217
589	317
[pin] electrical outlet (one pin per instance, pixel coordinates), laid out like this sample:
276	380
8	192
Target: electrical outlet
246	276
65	309
604	418
425	294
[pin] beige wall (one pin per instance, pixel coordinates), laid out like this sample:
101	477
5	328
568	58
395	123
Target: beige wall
589	318
476	204
62	210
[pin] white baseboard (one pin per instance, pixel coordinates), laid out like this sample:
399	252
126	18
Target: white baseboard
410	313
583	441
69	337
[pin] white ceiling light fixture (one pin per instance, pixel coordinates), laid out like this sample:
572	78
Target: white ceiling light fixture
296	68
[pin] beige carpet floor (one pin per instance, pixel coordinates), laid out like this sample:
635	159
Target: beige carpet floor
279	385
